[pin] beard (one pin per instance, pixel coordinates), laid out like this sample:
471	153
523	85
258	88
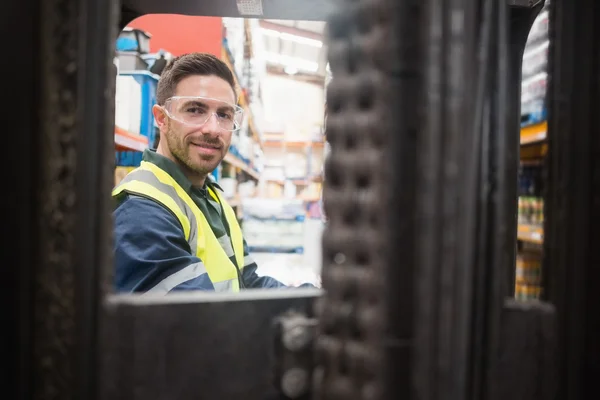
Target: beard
186	157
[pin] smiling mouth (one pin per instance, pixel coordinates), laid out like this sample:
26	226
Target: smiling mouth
207	146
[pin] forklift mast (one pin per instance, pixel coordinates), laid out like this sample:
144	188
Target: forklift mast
421	200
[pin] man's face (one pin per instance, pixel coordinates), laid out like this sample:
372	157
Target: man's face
200	149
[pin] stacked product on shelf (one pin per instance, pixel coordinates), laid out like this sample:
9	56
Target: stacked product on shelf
128	104
236	51
239	138
528	277
259	158
531	203
255	73
234	38
232	186
135	93
274	225
131	45
531	211
245	146
142	122
256	68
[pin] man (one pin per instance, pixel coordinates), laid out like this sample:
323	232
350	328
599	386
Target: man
173	228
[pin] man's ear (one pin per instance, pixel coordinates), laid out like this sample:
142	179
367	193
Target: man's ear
159	116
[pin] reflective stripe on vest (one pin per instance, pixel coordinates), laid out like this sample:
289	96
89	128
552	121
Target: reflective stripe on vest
152	182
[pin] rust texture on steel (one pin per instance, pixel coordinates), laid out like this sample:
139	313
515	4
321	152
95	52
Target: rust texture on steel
54	301
352	312
76	115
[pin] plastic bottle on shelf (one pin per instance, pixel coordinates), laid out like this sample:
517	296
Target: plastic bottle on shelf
520	211
528	275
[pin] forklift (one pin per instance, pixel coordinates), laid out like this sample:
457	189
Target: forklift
419	250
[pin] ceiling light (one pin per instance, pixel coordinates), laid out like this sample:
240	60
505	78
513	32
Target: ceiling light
294	62
292	38
301	40
290	70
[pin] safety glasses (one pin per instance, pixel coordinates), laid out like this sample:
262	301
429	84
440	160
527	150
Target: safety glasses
196	111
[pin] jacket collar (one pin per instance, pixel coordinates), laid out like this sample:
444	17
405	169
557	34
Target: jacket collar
176	173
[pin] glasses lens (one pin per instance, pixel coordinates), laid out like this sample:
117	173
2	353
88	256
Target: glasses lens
196	111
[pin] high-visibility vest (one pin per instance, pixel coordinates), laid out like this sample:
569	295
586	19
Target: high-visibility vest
152	182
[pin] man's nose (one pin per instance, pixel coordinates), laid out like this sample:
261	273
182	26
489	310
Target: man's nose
211	125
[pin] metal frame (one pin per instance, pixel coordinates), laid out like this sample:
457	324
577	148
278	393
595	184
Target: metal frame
201	345
316	10
60	237
22	215
571	235
466	231
402	308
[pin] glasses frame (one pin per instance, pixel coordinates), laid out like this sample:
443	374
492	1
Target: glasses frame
237	111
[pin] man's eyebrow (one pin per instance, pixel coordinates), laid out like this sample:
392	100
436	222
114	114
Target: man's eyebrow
196	102
227	108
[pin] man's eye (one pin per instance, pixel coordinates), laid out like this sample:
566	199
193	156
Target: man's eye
195	110
225	115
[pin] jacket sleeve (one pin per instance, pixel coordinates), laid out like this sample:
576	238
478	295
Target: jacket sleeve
151	253
254	281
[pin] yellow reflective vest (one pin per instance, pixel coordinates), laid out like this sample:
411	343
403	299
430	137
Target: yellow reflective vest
154	183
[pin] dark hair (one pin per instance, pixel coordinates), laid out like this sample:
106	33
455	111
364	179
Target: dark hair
191	64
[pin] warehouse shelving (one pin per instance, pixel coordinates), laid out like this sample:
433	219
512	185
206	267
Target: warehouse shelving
234	201
530	233
287	145
293	144
299	181
243	101
276	250
534	133
127	141
533	149
236	162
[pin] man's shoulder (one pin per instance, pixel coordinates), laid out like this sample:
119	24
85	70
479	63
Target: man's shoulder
143	212
129	201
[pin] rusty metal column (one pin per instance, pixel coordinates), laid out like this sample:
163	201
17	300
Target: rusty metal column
62	126
439	180
350	348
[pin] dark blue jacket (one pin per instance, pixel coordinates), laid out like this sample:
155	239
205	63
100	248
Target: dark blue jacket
150	246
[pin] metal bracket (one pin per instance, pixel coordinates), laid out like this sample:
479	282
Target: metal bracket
295	335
